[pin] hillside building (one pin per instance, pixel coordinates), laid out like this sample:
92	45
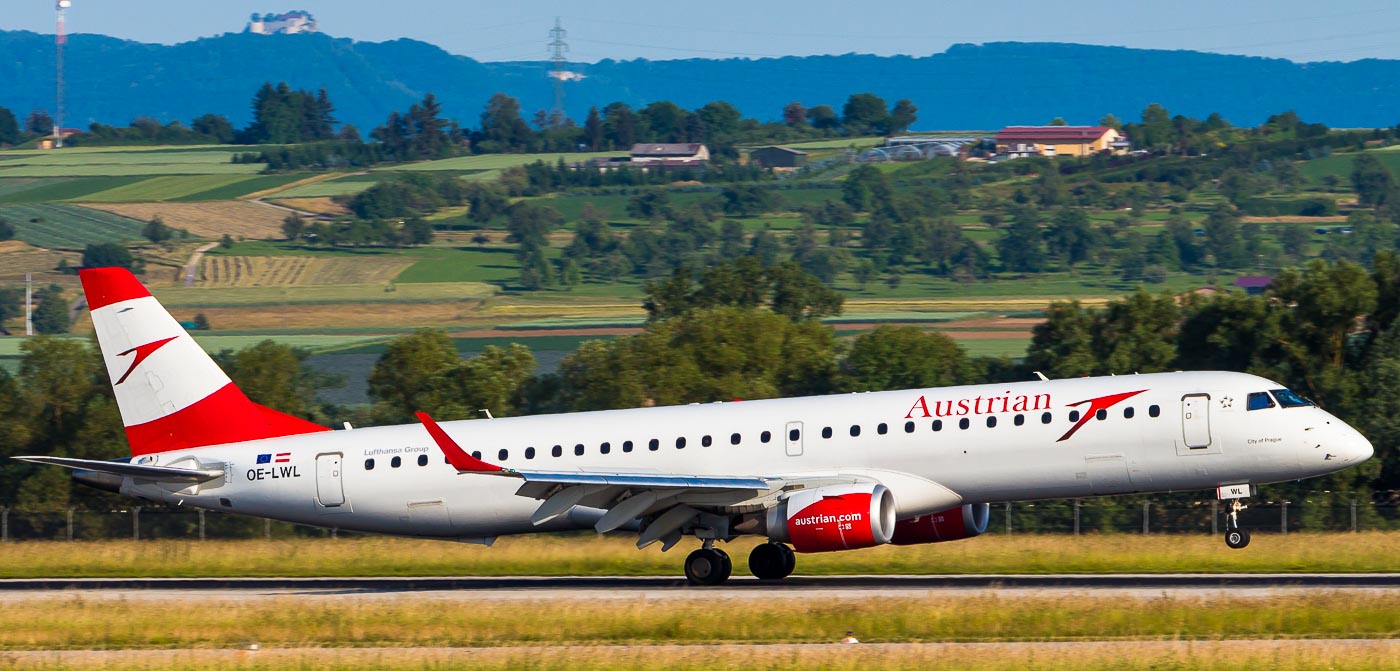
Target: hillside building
778	157
296	21
685	154
1020	141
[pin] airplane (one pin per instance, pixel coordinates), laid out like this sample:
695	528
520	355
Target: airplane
812	474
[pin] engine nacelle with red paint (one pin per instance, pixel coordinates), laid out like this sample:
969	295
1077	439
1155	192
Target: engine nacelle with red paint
964	521
837	517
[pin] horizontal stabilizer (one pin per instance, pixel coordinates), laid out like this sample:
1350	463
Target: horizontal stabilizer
159	473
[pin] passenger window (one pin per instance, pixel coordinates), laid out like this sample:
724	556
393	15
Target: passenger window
734	439
369	464
529	453
557	451
963	423
992	422
937	425
1289	399
1046	417
578	450
1128	413
1153	411
502	455
626	446
826	432
1074	415
765	437
705	441
882	429
680	443
855	430
476	454
909	427
396	462
605	448
1101	414
422	460
1020	419
794	434
653	445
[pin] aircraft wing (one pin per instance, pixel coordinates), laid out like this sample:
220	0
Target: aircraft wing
674	500
122	468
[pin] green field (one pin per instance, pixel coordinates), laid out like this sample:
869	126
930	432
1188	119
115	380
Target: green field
68	225
329	187
198	297
1340	165
120	161
54	190
447	264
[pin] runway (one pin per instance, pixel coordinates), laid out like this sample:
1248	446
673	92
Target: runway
739	587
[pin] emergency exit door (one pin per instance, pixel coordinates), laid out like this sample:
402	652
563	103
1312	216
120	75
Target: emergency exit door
793	439
1195	420
329	491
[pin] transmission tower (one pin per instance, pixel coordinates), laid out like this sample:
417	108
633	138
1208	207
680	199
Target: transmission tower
60	38
557	61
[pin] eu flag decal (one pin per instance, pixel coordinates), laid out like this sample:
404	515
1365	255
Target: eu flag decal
264	458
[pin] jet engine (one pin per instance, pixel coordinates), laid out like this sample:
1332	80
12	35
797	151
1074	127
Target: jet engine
836	517
953	524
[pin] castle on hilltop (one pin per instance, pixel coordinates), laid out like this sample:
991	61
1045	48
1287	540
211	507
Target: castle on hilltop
296	21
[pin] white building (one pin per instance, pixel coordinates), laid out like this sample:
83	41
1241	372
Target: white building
296	21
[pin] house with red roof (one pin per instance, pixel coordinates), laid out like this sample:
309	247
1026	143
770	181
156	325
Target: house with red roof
1020	141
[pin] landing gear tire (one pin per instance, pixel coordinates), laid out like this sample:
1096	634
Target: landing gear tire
708	566
772	561
1236	538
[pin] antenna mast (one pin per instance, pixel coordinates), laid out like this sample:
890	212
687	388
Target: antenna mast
60	38
557	48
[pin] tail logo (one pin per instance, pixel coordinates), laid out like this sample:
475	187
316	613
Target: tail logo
1095	405
142	351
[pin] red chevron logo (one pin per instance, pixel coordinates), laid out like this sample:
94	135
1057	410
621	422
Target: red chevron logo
1095	405
142	351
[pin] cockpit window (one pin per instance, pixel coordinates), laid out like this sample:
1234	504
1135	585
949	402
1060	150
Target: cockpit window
1260	400
1289	399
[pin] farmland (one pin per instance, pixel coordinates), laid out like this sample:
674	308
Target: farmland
267	271
211	219
68	225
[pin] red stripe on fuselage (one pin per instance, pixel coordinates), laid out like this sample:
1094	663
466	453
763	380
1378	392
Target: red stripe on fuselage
225	416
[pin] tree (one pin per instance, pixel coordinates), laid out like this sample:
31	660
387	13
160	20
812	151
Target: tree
594	134
216	126
52	315
1021	249
406	373
619	125
502	128
156	231
39	123
866	188
1371	180
107	255
823	118
903	116
1222	229
865	114
293	226
1058	121
9	127
747	200
201	322
1110	121
1070	236
794	114
903	357
1062	345
662	121
274	375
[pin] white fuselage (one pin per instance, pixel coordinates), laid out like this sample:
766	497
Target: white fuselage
1187	431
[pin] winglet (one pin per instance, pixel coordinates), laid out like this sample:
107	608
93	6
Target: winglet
460	460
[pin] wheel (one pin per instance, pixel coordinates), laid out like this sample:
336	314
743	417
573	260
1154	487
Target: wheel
708	566
1236	538
771	561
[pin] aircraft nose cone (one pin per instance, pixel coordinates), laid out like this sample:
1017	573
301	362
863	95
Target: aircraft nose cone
1358	449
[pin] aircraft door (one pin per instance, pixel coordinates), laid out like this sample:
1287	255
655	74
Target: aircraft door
793	439
329	491
1195	420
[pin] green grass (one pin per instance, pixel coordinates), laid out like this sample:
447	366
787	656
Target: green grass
10	347
242	187
52	190
68	225
345	294
1340	165
329	187
445	264
841	143
124	169
164	188
995	347
17	185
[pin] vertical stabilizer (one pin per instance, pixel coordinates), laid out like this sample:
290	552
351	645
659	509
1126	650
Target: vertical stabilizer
171	394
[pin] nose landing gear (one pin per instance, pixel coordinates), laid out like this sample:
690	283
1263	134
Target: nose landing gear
1235	537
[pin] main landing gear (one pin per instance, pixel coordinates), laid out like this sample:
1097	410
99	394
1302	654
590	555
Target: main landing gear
772	561
709	566
1235	537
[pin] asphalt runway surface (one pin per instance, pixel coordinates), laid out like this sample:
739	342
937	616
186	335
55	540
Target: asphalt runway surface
738	587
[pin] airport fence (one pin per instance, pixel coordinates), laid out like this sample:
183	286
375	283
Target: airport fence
1078	516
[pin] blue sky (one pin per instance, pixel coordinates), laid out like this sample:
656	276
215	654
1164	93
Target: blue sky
1300	30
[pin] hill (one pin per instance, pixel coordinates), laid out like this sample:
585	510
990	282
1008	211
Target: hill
967	86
